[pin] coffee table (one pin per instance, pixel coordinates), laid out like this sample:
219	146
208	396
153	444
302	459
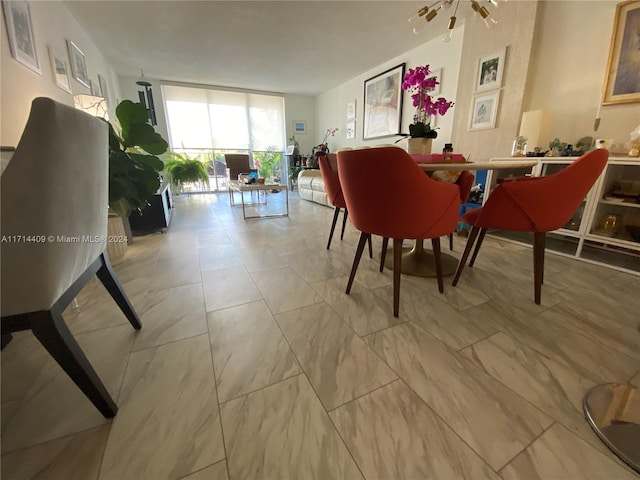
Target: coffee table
236	186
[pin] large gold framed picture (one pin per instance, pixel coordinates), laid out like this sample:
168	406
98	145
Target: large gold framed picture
622	83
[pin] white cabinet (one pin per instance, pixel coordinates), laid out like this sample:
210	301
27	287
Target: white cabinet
602	228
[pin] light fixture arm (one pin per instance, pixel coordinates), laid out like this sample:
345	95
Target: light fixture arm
427	13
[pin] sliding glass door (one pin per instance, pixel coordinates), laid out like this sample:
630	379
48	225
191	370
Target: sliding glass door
207	123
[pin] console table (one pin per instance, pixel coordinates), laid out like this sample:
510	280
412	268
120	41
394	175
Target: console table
157	215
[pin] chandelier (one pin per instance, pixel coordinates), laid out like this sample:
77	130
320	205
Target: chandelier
427	13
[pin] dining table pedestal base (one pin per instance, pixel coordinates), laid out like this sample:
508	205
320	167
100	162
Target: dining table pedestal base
418	262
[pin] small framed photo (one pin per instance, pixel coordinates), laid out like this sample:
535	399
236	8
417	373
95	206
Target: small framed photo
484	111
490	68
104	92
22	40
438	74
622	81
60	70
351	110
95	88
299	126
351	130
78	66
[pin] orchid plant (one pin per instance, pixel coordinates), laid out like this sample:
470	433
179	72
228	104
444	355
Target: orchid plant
329	133
419	83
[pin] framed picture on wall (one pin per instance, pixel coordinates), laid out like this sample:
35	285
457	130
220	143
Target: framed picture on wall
59	70
78	66
490	68
22	40
299	126
383	104
351	110
104	92
484	111
95	88
622	81
351	130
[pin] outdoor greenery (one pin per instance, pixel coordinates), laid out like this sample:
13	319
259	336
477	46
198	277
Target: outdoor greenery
134	166
266	161
183	168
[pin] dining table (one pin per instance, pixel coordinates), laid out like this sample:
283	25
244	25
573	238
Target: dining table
417	261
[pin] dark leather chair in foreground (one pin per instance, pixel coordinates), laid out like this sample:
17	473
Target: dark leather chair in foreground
405	205
534	204
55	192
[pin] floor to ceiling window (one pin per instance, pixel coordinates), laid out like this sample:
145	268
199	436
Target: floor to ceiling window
206	123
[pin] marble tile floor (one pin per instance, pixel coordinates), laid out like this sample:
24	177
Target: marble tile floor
252	363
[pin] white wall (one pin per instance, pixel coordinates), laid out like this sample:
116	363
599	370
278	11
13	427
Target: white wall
568	65
53	24
331	106
301	108
515	33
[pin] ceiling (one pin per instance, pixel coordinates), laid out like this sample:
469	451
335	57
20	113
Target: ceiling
296	47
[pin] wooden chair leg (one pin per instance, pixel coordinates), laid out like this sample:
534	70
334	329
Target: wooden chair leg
483	232
52	332
344	223
336	212
538	264
356	260
111	283
451	242
435	244
397	267
383	253
370	247
463	259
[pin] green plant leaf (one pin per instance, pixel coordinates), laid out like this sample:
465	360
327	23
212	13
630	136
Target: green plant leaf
151	160
130	113
144	136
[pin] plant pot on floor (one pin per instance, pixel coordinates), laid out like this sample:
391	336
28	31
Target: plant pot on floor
116	238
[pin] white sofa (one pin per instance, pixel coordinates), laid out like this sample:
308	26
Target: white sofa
311	187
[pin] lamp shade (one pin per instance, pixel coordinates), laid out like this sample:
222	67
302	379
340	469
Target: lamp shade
536	127
92	104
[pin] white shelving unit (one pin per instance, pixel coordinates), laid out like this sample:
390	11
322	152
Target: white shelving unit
585	236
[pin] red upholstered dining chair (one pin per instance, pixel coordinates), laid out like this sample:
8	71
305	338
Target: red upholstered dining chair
464	181
409	206
465	184
534	204
329	171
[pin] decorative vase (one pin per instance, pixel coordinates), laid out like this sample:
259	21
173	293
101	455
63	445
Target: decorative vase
419	146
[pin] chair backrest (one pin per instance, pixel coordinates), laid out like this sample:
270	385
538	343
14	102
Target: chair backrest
546	203
55	189
237	163
465	183
388	194
329	171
